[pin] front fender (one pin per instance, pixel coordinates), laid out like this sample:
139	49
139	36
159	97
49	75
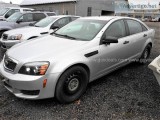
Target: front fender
62	65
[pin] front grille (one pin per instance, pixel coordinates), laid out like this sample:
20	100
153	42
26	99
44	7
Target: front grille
9	64
5	37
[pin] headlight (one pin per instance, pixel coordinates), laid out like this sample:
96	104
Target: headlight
35	68
15	37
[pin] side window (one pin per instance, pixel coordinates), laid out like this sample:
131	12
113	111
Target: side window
27	18
38	16
134	27
116	29
10	12
61	22
73	18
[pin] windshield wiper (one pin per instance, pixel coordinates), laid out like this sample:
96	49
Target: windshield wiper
66	36
34	25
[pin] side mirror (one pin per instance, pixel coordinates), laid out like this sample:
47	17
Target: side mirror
110	40
19	21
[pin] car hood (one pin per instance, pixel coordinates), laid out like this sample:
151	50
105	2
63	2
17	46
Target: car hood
29	30
4	24
44	48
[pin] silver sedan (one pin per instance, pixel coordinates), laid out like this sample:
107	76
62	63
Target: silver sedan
61	65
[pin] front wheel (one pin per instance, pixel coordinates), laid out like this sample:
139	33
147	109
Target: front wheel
72	84
145	55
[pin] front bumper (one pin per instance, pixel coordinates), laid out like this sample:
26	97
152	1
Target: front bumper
27	86
6	44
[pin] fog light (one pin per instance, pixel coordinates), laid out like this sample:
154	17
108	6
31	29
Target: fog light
44	83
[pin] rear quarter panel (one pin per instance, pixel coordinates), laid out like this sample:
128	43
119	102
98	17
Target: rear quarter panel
150	38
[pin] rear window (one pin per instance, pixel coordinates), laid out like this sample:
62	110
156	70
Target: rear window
38	16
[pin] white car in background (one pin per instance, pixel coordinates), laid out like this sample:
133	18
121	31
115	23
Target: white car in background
157	19
155	67
7	12
44	26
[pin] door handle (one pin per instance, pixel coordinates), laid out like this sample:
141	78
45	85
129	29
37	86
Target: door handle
145	35
126	42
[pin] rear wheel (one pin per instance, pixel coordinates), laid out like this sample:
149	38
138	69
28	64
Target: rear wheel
72	84
145	55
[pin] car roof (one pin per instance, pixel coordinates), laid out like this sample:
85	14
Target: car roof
19	8
60	16
24	12
105	17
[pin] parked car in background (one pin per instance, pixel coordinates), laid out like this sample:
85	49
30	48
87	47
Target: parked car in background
144	19
18	20
44	26
155	67
157	19
147	19
7	12
61	65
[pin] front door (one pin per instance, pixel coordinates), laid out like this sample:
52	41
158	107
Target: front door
115	54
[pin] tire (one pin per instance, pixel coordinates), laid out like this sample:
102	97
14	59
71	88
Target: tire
145	55
71	85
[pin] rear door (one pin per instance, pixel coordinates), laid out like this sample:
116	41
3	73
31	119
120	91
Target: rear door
137	37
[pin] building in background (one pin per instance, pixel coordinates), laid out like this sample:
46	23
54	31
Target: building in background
3	5
73	7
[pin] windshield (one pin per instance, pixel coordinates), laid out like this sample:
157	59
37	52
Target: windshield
45	22
3	11
14	17
82	29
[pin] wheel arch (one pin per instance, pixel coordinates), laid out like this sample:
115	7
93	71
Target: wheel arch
78	64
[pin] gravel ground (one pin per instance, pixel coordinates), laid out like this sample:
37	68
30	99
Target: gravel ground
130	93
